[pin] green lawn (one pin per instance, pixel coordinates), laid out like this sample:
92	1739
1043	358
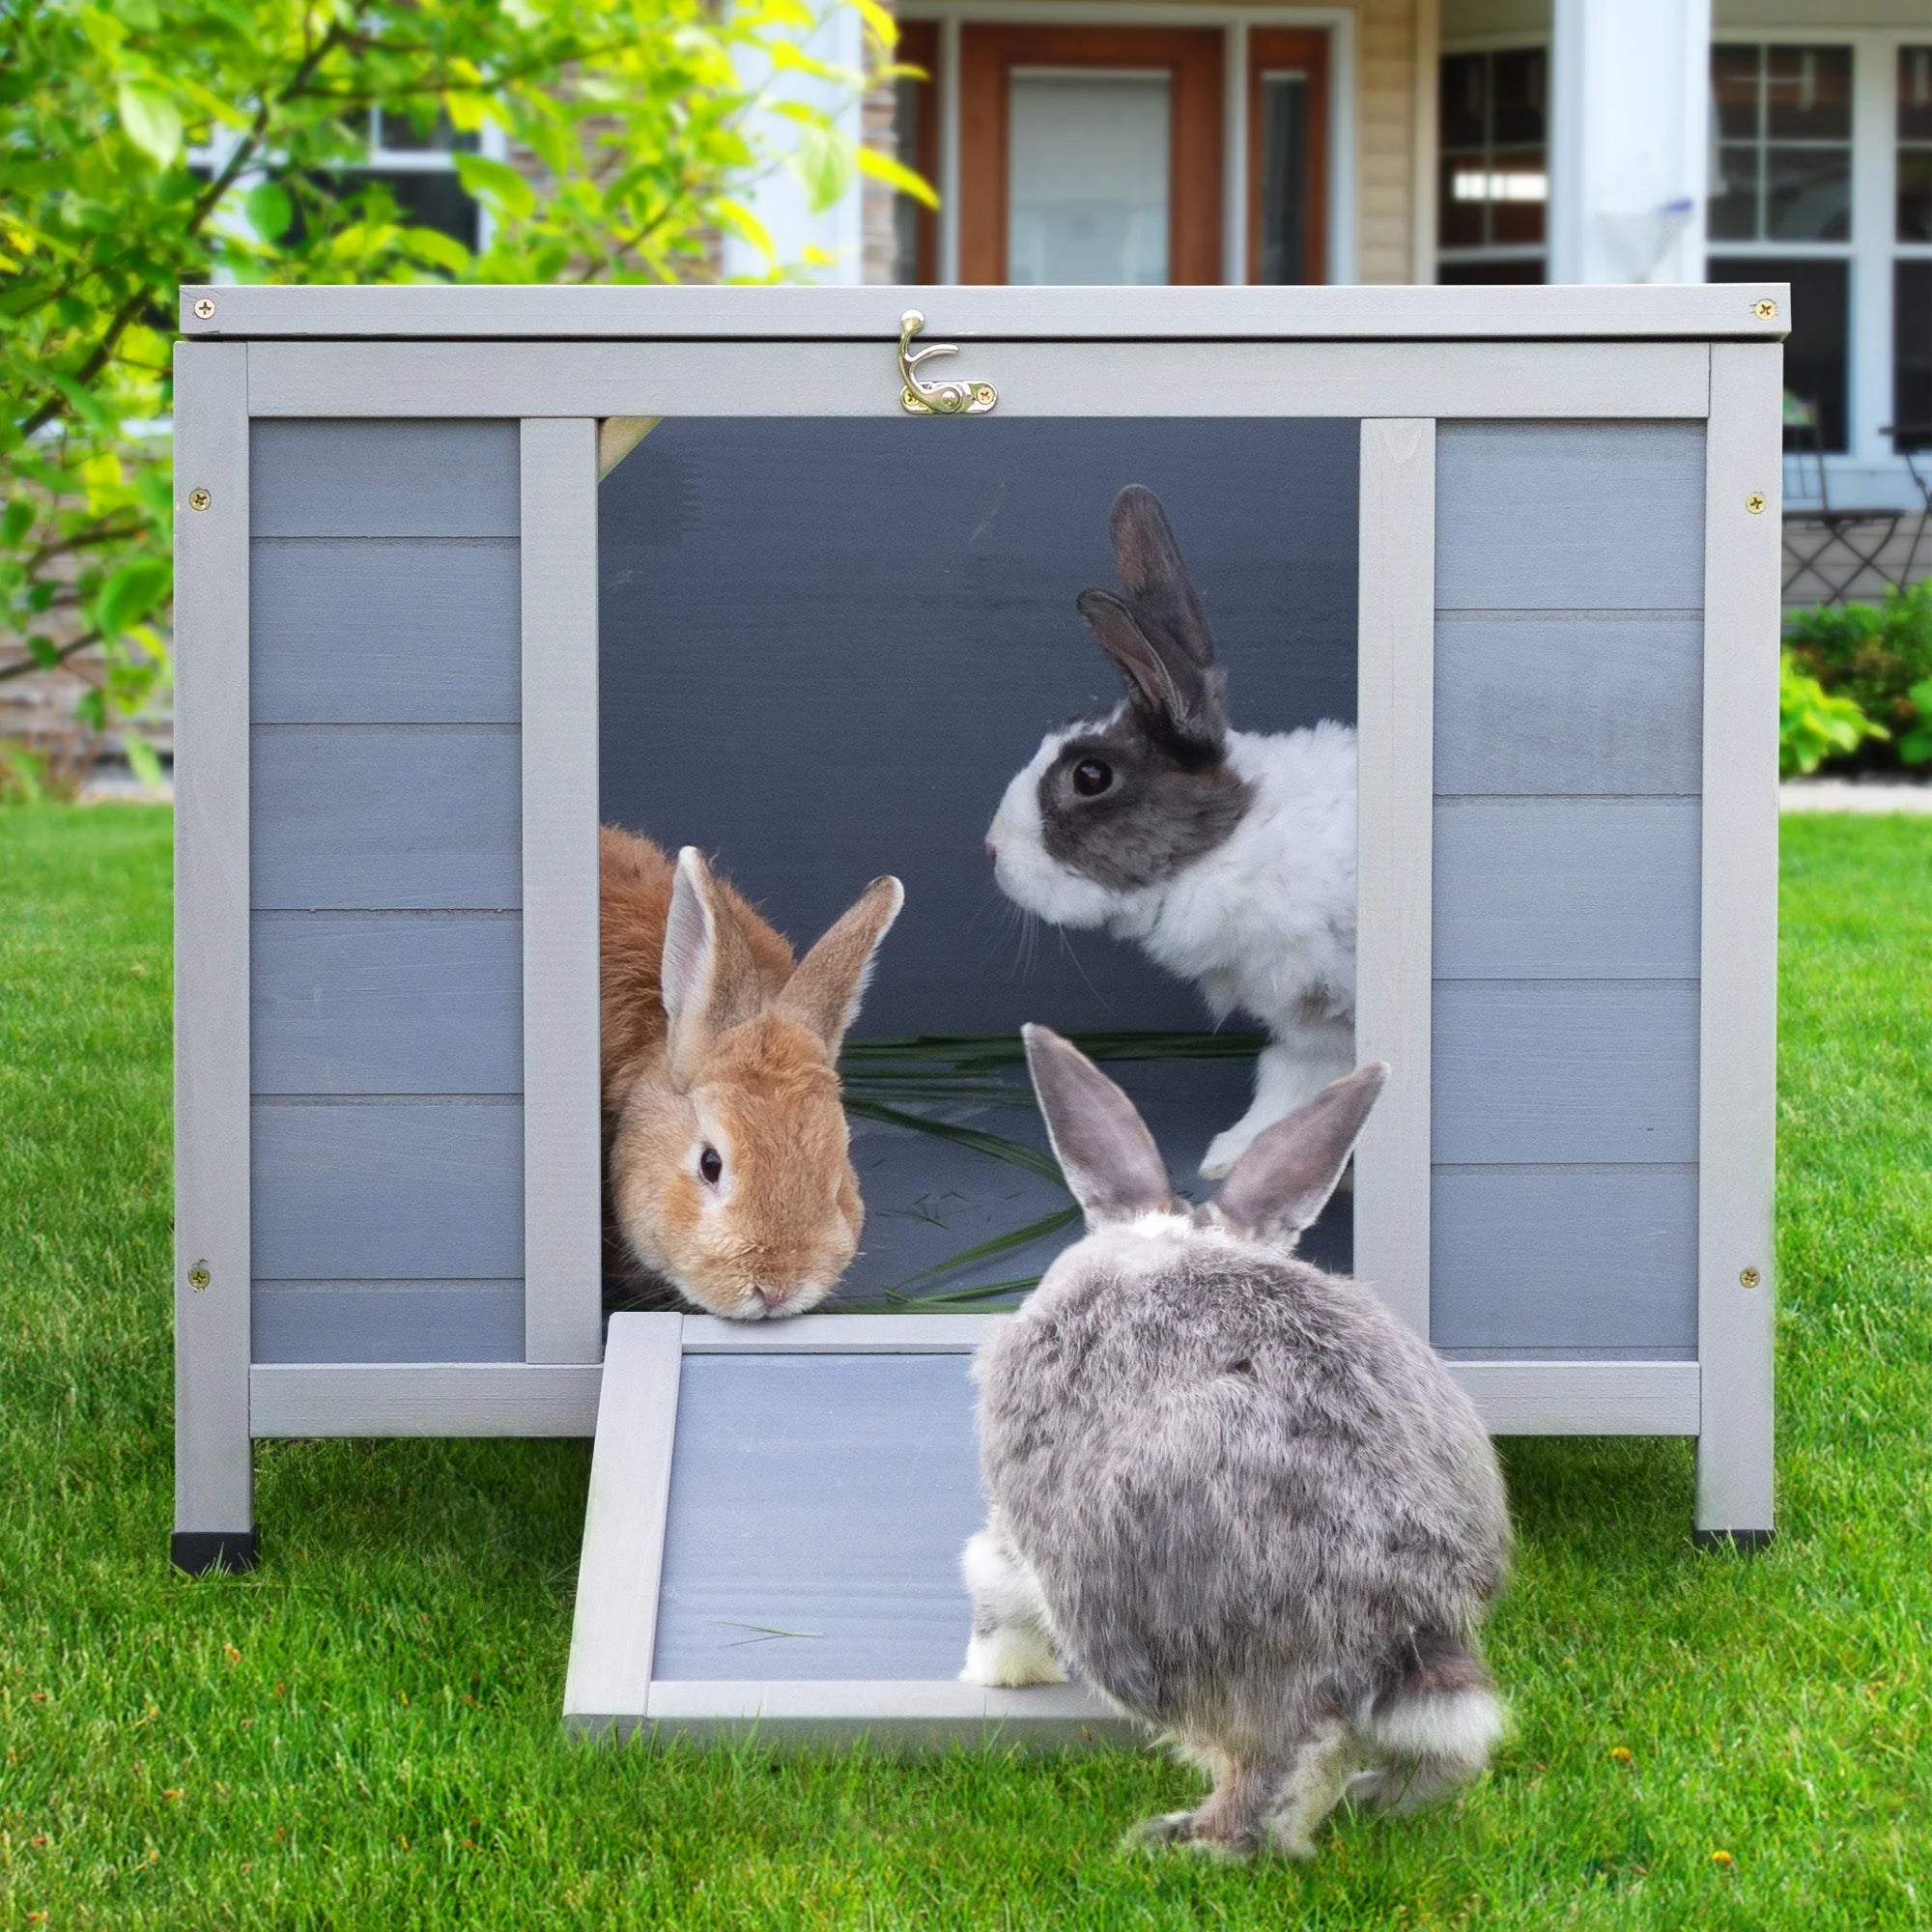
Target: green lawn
365	1732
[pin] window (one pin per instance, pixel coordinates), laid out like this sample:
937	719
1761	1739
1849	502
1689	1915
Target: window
1494	186
1912	263
916	145
1287	180
1781	204
419	167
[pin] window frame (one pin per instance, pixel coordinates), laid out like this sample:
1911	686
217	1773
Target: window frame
1873	247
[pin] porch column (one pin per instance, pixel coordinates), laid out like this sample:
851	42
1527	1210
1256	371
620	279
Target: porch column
1629	140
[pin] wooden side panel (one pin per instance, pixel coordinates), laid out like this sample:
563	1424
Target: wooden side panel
214	1463
376	631
387	1002
1585	516
1569	675
389	1190
388	1321
385	997
394	816
1580	1259
450	479
1565	1070
1536	704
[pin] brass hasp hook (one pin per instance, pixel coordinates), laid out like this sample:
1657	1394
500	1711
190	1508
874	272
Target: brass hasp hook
935	399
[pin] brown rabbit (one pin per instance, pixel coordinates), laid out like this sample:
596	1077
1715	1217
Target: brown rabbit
725	1152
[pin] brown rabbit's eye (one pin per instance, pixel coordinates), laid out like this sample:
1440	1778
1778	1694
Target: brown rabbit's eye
711	1164
1092	777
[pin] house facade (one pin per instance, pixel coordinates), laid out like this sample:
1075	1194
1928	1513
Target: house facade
1108	141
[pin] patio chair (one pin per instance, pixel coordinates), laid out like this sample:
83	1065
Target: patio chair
1913	441
1826	541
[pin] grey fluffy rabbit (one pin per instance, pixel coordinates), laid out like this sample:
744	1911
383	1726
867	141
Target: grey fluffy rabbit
1233	1492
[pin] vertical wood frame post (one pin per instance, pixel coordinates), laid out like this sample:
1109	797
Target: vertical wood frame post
214	1478
562	1126
1738	1007
1396	785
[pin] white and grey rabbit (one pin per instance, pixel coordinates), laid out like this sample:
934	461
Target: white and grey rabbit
1232	1493
1229	856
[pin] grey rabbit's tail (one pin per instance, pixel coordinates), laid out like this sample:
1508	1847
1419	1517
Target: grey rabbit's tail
1433	1703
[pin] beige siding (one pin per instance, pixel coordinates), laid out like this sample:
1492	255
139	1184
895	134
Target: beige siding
1388	33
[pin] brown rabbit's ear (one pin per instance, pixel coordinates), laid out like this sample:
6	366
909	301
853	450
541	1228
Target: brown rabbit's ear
1103	1147
1285	1178
825	992
708	978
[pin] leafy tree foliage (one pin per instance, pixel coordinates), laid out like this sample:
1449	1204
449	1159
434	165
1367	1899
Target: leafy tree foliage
147	143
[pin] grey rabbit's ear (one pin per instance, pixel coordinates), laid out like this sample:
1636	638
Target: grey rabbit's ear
1285	1178
1154	577
1102	1144
1156	633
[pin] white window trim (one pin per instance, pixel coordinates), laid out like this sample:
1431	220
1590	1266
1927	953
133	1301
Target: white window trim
1234	25
1868	466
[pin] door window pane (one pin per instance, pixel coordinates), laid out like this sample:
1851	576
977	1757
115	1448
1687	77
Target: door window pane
1915	144
1911	353
1807	194
1734	194
1493	182
1284	177
909	107
1089	162
1808	94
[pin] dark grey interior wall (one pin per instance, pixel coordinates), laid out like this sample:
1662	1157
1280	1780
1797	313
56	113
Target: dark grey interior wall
827	645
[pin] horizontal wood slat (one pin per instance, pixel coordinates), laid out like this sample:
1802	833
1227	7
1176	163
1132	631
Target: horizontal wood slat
1585	889
373	817
388	1321
360	632
396	478
389	1190
387	1003
1564	1070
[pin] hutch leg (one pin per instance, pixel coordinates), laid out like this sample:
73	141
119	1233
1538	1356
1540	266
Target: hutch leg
214	1479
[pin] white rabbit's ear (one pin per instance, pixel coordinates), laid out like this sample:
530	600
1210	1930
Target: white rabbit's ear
1102	1144
1285	1178
825	991
708	976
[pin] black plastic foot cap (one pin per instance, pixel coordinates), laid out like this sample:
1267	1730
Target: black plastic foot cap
198	1550
1746	1541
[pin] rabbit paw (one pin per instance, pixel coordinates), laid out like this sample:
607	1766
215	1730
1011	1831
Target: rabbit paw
1185	1830
1010	1658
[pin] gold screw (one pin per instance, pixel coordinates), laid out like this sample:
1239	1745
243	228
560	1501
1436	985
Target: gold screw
198	1276
1755	502
204	308
1765	309
199	499
1748	1277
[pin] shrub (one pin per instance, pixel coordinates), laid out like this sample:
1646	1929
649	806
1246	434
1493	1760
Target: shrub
1814	725
1873	654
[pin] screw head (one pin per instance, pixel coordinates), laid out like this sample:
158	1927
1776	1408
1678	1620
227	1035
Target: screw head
1755	502
1748	1277
204	307
199	499
1763	310
198	1276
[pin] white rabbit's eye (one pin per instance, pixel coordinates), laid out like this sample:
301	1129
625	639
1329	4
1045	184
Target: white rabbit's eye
1092	777
711	1165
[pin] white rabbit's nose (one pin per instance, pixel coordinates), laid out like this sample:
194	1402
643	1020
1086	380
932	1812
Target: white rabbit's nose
992	852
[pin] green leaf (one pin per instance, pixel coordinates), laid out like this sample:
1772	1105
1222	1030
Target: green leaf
439	250
896	175
152	119
129	594
269	209
86	405
497	182
823	163
16	522
142	762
